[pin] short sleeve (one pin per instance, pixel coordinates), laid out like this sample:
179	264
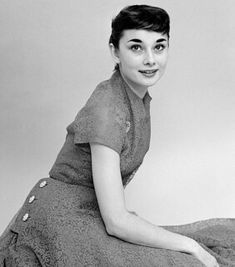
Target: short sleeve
101	124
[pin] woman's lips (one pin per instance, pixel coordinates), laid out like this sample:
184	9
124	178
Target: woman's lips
148	73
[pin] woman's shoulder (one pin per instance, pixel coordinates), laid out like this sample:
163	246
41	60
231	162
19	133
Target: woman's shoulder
108	95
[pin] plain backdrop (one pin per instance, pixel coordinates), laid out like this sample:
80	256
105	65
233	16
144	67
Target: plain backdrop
52	55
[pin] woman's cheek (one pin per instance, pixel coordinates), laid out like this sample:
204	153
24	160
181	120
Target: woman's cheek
163	62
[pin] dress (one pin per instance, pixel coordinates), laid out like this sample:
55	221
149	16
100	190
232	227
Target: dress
60	223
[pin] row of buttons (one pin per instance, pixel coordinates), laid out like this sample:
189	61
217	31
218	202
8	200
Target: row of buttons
31	200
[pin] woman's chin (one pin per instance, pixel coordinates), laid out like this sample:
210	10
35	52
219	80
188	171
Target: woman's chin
150	80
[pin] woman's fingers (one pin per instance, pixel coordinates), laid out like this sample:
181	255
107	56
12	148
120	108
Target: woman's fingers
206	258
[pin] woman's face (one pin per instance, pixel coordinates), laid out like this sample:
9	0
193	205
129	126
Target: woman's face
142	57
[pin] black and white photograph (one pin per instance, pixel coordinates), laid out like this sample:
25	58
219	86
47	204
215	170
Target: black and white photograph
117	140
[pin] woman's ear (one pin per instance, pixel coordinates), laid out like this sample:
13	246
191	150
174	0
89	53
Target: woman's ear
114	53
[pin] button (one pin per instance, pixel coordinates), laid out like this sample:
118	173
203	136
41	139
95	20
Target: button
25	217
31	199
43	183
128	125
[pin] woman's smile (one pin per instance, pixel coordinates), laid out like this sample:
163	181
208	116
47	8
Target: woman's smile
148	73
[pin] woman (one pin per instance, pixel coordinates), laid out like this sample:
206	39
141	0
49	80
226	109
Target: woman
78	216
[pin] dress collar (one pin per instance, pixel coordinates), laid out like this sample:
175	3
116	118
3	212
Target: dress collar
118	79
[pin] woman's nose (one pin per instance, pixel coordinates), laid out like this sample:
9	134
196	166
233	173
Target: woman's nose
149	58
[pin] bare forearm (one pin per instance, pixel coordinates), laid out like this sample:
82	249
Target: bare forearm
136	230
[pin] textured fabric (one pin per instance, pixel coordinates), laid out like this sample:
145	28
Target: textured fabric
65	229
60	223
113	116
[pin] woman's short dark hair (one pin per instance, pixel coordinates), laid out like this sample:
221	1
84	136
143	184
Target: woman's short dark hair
139	17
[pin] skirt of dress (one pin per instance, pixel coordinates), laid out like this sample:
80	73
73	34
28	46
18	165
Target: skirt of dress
60	225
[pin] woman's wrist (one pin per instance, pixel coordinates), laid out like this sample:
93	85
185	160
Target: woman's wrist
195	248
191	246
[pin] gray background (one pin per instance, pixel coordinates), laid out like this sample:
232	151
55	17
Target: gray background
52	55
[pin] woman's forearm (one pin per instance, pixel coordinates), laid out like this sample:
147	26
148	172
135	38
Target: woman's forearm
134	229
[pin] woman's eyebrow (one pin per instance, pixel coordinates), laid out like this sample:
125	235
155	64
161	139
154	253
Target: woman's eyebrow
161	40
135	40
139	41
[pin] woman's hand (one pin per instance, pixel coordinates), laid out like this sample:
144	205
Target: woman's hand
206	258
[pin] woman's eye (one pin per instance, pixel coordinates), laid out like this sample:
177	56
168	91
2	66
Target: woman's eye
159	47
136	48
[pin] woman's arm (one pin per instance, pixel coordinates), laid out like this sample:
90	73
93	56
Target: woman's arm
126	225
